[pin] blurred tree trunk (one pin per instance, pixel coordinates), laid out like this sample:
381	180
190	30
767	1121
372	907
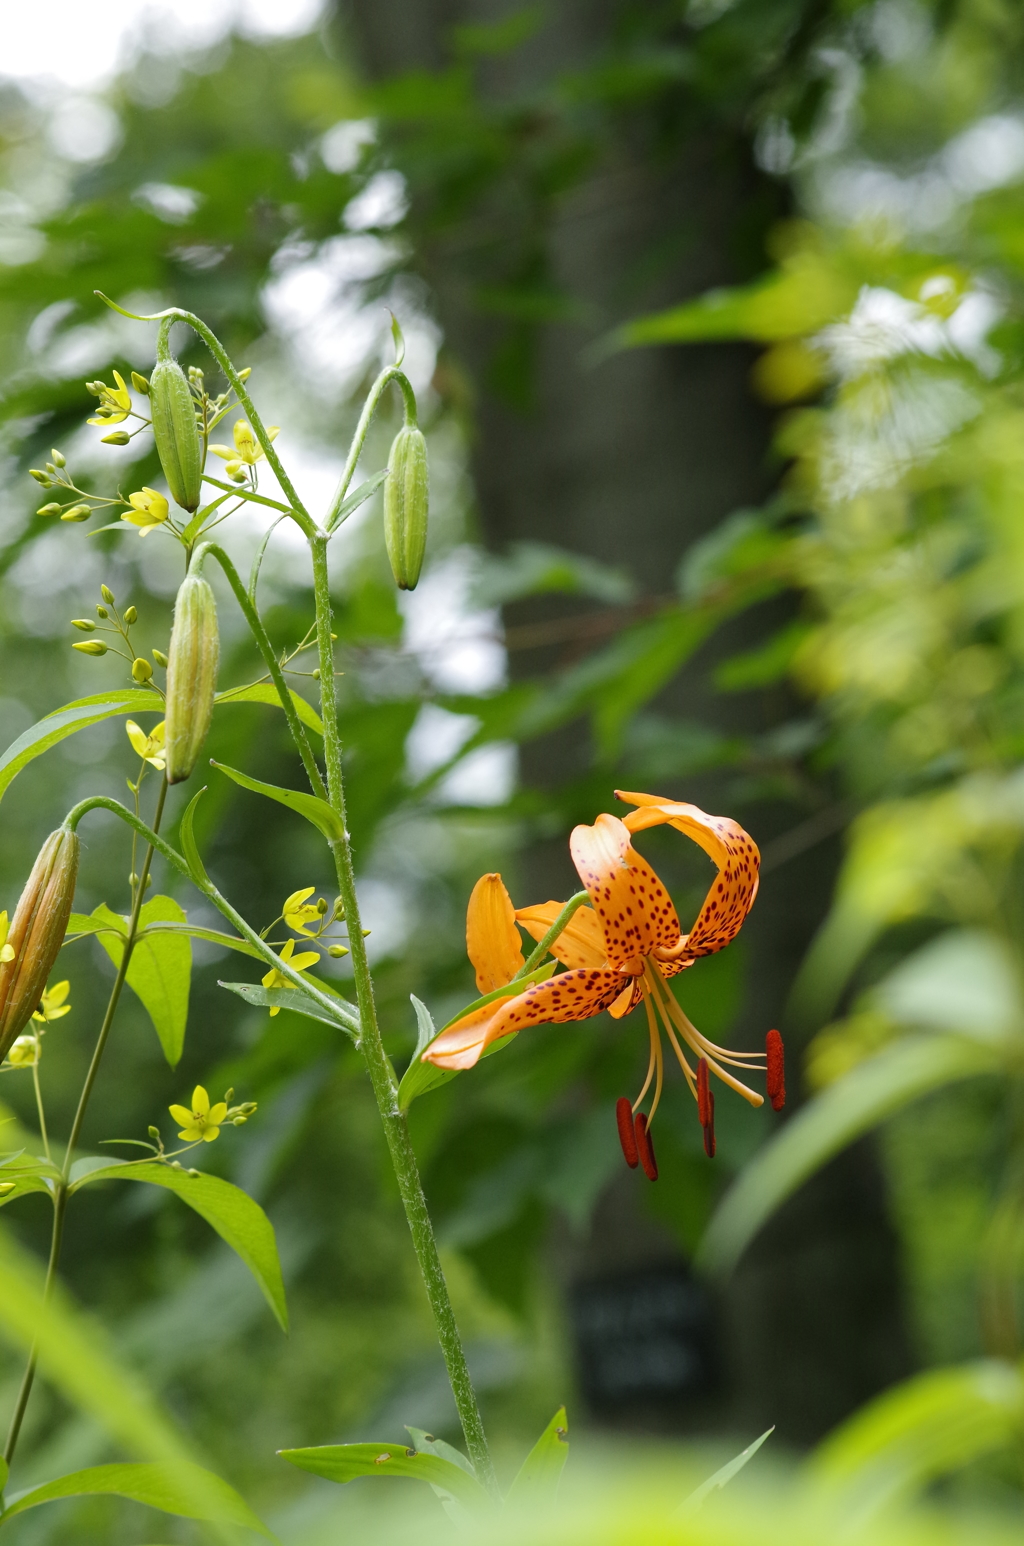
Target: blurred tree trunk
630	461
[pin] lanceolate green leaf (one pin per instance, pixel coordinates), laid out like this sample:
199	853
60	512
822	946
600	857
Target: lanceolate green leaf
212	936
238	1220
347	1018
186	838
311	806
538	1477
344	1462
170	1487
847	1109
159	971
78	715
266	692
724	1475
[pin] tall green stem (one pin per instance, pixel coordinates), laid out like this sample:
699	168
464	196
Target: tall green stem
60	1199
382	1077
392	373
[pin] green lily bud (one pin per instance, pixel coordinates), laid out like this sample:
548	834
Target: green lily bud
84	623
130	616
37	933
191	675
77	513
91	647
178	443
406	496
141	669
140	383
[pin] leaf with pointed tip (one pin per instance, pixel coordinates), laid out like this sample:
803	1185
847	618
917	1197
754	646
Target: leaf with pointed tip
238	1220
184	1489
186	838
344	1462
346	1019
193	931
360	496
159	971
311	806
724	1475
266	692
75	716
539	1475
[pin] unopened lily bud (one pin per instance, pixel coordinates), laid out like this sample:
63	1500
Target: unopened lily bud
130	615
37	933
175	431
59	459
406	497
191	676
141	669
337	950
140	383
91	647
40	476
77	513
160	657
84	623
107	594
48	510
120	437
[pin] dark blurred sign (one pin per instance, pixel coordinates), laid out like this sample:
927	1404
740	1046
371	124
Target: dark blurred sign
644	1339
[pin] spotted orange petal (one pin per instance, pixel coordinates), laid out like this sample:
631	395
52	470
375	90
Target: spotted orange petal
580	943
492	939
633	908
734	851
573	995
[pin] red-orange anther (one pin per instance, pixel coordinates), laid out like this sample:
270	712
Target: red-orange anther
775	1055
627	1138
704	1107
709	1127
645	1147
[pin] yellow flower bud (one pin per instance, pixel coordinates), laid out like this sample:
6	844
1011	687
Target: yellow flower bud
141	669
160	657
77	513
130	615
37	933
140	383
58	459
191	676
178	443
120	437
107	594
84	623
40	476
406	497
48	510
91	647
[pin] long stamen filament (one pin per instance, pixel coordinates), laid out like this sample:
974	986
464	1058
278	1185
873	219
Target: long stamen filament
652	1026
660	1060
670	1007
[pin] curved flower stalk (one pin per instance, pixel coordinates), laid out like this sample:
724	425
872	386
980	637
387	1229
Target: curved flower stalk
618	953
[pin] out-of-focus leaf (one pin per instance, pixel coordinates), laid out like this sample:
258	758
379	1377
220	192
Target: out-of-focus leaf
344	1462
540	1473
873	1091
78	715
346	1019
238	1220
428	1445
266	692
183	1488
26	1173
315	810
966	980
724	1475
159	971
928	1426
535	568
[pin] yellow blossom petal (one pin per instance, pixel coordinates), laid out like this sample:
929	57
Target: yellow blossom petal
180	1114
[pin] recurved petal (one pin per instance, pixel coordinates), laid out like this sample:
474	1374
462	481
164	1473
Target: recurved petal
574	995
492	939
634	910
580	943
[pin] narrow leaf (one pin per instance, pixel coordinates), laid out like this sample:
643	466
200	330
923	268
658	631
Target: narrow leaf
78	715
238	1220
186	838
183	1488
266	692
538	1477
311	806
426	1030
428	1445
347	1018
344	1462
360	496
159	971
852	1106
194	931
724	1475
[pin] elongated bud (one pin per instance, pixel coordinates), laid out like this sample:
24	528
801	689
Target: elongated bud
645	1147
627	1137
37	933
191	675
775	1057
160	657
175	431
77	513
107	594
120	437
140	383
130	616
40	476
48	510
406	497
84	623
59	459
91	647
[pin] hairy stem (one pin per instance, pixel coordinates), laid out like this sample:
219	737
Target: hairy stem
382	1076
60	1199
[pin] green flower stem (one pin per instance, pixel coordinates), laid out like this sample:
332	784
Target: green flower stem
60	1196
382	1076
241	492
544	944
392	373
252	617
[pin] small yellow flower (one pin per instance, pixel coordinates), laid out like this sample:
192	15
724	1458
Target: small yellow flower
276	979
297	911
6	950
203	1121
115	403
151	746
52	1005
149	509
247	448
24	1052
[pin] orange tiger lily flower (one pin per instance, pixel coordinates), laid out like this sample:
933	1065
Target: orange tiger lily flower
619	951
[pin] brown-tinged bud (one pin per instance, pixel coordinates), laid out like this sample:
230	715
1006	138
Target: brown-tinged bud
77	513
160	657
91	647
175	431
140	383
37	933
406	497
191	676
130	616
